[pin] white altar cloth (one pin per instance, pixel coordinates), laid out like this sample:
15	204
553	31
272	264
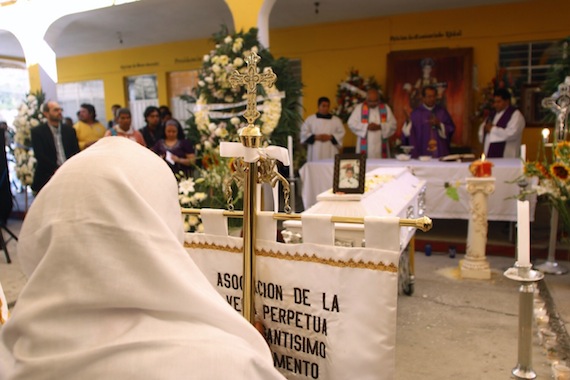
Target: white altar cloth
317	177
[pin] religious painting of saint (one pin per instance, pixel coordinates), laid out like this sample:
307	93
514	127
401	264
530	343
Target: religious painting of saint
349	173
448	70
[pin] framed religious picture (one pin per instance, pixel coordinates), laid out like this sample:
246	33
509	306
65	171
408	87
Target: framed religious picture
448	70
349	173
531	105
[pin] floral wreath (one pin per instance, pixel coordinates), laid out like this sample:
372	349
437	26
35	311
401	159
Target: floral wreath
29	116
216	112
218	107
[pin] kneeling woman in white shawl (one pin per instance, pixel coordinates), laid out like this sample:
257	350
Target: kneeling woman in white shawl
112	294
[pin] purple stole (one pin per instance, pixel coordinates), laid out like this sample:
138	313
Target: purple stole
364	119
497	149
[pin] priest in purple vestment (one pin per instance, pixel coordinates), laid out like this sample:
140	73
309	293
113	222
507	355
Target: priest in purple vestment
430	127
501	133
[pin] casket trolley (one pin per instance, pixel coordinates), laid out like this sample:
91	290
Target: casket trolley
388	192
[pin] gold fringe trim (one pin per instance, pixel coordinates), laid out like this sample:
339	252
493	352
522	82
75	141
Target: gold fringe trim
301	257
214	247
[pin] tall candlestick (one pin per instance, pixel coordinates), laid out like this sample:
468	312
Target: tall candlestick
290	149
523	236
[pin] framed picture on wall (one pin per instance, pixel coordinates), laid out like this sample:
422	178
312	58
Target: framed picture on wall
531	105
349	173
448	70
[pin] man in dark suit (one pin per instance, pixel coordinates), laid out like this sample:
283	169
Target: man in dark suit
53	143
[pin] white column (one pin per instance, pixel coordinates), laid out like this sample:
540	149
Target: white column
475	264
263	23
29	21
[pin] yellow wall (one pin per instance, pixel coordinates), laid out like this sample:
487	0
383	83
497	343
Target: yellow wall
328	51
113	67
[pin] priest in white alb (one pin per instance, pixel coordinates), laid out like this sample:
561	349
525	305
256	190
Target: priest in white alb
322	133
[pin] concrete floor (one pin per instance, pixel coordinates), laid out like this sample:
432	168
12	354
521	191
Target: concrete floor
451	328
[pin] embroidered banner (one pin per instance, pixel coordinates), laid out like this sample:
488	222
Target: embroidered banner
329	312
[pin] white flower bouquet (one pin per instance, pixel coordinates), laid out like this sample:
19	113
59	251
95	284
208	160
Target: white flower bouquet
29	116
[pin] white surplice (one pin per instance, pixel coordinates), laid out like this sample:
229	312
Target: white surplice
321	150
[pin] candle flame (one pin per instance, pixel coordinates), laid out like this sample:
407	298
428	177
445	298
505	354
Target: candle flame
545	133
482	156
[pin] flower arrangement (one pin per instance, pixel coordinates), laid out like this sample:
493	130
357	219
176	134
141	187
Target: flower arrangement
503	79
350	92
218	107
29	116
554	179
216	114
553	172
207	189
190	197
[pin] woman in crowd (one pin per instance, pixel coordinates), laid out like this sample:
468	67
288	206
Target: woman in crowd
178	153
111	291
124	127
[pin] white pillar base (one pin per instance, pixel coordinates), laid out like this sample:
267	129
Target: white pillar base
477	270
475	264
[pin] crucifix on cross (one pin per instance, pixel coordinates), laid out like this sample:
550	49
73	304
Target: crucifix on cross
559	103
251	78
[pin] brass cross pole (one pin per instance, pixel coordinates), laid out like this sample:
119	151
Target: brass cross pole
251	138
251	79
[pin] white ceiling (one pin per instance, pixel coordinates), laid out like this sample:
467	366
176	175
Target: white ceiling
149	22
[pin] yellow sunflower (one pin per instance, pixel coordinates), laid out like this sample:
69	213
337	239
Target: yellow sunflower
562	150
560	171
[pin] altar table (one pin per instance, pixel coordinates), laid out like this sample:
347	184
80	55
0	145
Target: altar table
317	176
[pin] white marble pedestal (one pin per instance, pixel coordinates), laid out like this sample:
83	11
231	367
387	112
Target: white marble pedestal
475	264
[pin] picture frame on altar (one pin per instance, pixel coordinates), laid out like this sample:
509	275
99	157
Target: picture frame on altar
449	70
349	173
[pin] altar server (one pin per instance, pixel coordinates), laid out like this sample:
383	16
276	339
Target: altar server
372	122
501	133
322	132
112	293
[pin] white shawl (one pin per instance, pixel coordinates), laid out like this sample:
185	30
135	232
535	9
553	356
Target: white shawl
112	294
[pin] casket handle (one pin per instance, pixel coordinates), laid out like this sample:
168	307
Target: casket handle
424	223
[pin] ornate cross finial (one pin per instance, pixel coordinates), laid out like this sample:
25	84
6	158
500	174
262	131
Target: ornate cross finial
251	79
559	103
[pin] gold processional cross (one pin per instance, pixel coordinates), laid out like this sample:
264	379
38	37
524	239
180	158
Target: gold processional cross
251	79
247	172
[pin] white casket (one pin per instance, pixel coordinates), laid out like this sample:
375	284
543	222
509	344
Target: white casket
389	191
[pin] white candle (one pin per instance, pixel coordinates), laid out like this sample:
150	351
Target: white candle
523	152
545	135
290	149
523	235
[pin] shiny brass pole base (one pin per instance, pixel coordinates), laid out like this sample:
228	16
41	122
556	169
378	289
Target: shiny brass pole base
521	372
